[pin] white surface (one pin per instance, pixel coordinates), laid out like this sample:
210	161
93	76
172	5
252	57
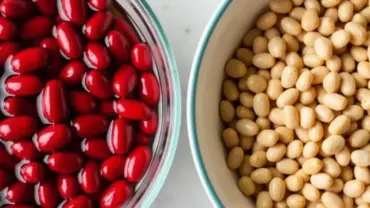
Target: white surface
184	22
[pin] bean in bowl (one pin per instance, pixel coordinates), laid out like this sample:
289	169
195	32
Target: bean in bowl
79	104
295	104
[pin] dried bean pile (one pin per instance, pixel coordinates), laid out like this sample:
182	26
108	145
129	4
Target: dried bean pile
296	106
78	101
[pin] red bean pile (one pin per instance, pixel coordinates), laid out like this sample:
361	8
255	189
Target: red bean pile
79	105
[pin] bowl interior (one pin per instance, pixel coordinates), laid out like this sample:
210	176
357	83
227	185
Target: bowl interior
232	20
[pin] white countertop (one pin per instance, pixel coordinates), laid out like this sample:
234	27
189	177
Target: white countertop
183	22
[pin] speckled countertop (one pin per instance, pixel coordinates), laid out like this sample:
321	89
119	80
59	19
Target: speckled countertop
183	22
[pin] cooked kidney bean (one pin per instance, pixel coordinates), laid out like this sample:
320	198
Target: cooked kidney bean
79	104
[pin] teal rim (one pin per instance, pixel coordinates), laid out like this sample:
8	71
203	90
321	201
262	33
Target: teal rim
191	97
158	183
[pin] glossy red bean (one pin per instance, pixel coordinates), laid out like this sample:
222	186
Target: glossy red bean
69	40
150	126
5	179
119	46
98	84
141	57
90	125
7	161
7	49
16	106
50	44
120	136
8	29
53	137
74	11
90	177
64	162
73	72
137	163
98	25
36	28
47	194
113	167
20	206
46	7
79	201
32	172
23	85
142	139
96	56
82	102
116	195
55	63
25	150
16	8
19	192
132	109
149	90
30	60
54	102
68	186
108	108
99	5
125	81
18	128
126	29
96	148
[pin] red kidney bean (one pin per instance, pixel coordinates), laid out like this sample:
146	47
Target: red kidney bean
96	56
150	126
36	28
69	40
98	85
17	128
82	102
96	148
54	102
90	178
25	150
19	192
7	49
112	168
16	8
118	46
68	186
5	179
137	163
142	139
79	201
108	108
7	161
73	72
53	137
126	29
90	125
20	206
141	57
74	11
65	162
30	60
32	172
8	29
99	5
149	90
116	195
16	106
50	44
23	85
120	136
132	109
55	57
98	25
47	194
46	7
125	81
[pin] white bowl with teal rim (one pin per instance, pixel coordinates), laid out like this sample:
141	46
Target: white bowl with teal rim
221	38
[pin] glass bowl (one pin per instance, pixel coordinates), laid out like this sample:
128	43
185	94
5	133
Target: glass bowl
169	109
